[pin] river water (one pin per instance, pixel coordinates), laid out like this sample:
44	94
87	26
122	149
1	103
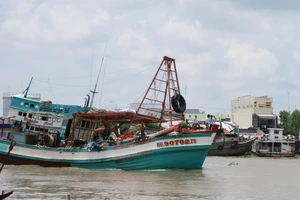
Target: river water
231	178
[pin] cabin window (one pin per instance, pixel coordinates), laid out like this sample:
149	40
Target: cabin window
88	124
34	117
31	105
27	126
247	106
37	107
67	110
58	120
22	103
49	119
27	105
239	106
29	115
24	114
268	106
32	128
83	123
20	113
44	118
37	128
276	131
243	106
46	130
92	125
39	117
251	106
261	106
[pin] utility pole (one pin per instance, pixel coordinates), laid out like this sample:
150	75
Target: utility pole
289	101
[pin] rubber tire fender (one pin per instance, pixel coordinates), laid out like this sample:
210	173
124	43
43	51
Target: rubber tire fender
178	103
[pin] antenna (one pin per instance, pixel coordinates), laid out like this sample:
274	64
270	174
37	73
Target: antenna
102	82
94	91
92	69
27	89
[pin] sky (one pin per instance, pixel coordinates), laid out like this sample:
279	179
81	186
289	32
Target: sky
223	49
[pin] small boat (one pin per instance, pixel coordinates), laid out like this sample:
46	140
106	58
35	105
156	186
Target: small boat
5	195
230	144
166	148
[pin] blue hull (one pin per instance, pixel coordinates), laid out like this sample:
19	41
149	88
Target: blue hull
181	156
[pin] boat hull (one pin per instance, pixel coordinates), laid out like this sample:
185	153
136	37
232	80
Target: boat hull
184	151
230	149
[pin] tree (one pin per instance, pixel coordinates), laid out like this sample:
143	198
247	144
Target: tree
295	122
285	121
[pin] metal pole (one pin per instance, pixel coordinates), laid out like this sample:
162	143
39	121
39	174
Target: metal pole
2	126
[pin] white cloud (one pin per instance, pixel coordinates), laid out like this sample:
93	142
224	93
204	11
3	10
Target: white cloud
184	30
53	22
221	50
244	60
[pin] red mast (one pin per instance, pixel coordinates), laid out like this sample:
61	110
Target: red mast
158	97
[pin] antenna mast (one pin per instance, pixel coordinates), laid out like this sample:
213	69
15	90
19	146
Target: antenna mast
94	91
27	89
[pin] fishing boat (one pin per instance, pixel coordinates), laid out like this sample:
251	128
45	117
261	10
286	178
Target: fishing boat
168	147
230	144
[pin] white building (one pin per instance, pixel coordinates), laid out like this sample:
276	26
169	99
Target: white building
243	108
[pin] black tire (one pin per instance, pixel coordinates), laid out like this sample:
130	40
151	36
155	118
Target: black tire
220	148
178	103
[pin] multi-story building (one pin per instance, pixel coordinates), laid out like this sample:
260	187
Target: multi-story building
249	111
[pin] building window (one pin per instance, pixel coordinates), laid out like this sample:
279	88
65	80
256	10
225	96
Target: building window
267	106
239	107
24	114
29	115
20	113
251	106
261	106
276	137
243	106
247	106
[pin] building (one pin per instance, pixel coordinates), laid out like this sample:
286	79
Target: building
7	98
249	111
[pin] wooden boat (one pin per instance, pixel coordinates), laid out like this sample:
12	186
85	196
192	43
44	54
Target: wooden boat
167	148
229	144
5	195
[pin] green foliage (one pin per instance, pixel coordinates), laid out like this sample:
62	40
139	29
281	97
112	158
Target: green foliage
290	122
152	125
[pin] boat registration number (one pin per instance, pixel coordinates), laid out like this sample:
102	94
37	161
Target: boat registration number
176	142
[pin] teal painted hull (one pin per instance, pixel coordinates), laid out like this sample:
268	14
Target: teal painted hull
143	156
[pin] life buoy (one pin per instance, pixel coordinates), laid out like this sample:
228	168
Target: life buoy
220	147
178	103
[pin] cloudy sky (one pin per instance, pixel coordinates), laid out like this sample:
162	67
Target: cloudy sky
223	49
